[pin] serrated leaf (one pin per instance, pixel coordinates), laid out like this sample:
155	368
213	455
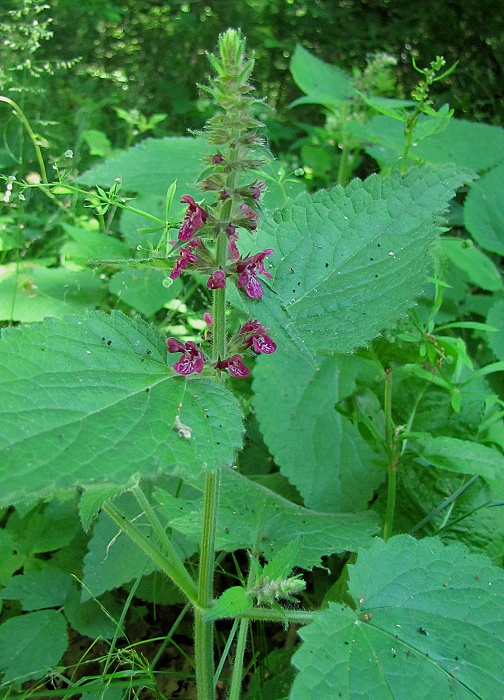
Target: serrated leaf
252	517
46	588
428	624
351	261
461	456
30	645
30	292
320	451
232	602
484	210
152	165
91	399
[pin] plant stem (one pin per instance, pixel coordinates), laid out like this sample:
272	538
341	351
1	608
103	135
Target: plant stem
31	133
174	570
203	629
392	458
236	678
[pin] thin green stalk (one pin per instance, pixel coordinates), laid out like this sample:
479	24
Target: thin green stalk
225	653
342	176
203	629
173	556
20	114
236	678
171	569
392	458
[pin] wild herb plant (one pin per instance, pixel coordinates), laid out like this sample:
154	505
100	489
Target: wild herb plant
381	420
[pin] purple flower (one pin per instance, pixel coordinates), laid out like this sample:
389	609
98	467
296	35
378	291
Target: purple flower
233	252
251	218
247	273
217	159
186	257
256	336
234	365
257	189
217	280
194	219
192	359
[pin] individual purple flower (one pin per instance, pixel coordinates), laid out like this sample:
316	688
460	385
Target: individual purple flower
186	257
235	366
251	218
256	336
233	252
217	280
194	219
217	159
192	359
248	269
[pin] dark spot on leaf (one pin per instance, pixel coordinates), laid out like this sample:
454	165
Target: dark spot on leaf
60	436
292	270
379	245
371	259
226	530
456	658
346	642
264	538
109	342
103	338
421	630
464	645
143	358
149	352
327	264
148	389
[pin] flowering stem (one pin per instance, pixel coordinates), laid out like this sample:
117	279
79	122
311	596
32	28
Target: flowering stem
203	629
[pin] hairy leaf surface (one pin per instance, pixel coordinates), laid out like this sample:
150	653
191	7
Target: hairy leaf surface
427	617
90	399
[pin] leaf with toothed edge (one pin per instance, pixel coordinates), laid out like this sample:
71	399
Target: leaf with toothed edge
91	400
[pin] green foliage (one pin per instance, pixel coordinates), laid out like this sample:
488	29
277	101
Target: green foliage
422	611
139	399
381	407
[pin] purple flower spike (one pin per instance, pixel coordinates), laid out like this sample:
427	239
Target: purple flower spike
192	359
257	337
186	257
194	219
235	366
247	273
217	280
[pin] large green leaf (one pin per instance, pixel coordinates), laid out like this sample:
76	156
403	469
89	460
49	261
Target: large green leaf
32	644
428	623
91	399
252	517
46	588
321	452
484	210
152	165
323	83
350	261
461	456
31	292
467	144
